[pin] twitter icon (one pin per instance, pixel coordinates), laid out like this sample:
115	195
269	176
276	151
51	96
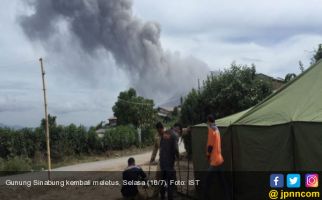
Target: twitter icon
293	180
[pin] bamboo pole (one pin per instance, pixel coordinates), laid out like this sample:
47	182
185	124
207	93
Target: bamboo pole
46	117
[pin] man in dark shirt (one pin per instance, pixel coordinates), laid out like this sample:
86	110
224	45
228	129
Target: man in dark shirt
168	153
132	173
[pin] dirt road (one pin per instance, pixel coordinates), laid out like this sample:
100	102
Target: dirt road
114	164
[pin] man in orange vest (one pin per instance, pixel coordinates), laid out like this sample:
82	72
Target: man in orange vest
213	144
214	158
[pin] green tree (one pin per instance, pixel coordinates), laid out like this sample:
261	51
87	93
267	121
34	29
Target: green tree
133	109
100	125
191	111
230	91
51	122
318	55
175	112
289	77
301	66
94	143
119	138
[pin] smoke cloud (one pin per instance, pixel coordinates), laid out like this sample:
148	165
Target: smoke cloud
135	45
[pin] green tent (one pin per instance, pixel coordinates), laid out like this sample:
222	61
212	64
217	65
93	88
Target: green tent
282	133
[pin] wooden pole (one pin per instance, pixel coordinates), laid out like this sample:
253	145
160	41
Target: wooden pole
46	118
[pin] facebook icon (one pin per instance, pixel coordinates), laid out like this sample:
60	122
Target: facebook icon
277	181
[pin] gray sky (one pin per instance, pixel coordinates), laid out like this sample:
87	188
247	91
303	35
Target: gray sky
274	35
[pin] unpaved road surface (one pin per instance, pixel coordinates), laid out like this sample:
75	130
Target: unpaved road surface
114	164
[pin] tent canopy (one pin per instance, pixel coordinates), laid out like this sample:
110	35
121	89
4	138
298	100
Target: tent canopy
298	101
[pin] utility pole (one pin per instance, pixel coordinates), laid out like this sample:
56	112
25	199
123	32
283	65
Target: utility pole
46	118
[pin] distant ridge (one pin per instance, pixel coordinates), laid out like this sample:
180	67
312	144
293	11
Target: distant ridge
15	127
173	101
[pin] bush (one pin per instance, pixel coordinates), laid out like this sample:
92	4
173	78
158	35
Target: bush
94	143
119	138
17	164
148	136
5	142
25	149
39	161
1	164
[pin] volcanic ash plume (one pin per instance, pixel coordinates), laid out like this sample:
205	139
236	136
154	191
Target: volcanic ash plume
111	26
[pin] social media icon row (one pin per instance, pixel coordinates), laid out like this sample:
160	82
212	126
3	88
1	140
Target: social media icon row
294	180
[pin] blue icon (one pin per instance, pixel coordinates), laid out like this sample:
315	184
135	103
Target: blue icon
277	180
293	180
